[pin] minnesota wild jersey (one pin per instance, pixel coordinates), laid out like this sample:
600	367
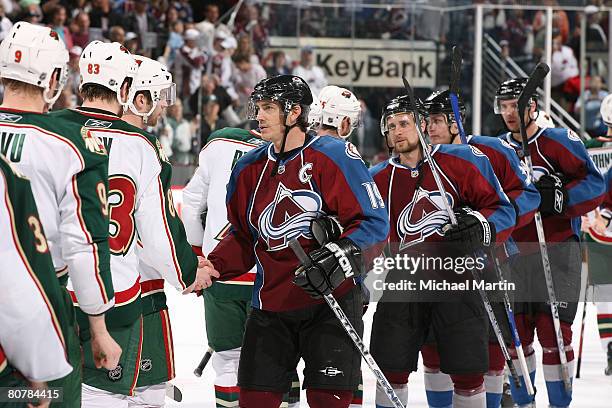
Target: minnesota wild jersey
147	239
68	175
33	313
205	193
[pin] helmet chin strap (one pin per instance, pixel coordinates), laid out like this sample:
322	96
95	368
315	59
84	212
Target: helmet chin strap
281	153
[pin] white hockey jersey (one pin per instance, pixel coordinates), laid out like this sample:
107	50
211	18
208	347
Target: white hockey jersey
206	191
31	336
69	182
144	225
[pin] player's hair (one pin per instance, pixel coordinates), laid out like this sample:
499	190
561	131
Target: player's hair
328	127
147	95
22	87
94	91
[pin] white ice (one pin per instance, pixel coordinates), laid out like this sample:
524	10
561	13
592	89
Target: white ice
592	390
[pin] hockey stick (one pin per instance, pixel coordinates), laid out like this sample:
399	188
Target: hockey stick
350	330
173	392
454	91
453	219
584	308
536	78
198	371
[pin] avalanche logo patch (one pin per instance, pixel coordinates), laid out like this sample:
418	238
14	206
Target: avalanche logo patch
573	136
539	171
476	151
351	151
97	123
422	217
289	216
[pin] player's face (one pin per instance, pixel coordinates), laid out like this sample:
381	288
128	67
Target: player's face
160	108
438	130
269	118
403	133
510	114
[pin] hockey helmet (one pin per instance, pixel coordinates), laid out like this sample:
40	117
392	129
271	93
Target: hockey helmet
314	114
287	90
439	103
606	110
510	89
154	77
326	93
108	65
400	104
341	104
31	54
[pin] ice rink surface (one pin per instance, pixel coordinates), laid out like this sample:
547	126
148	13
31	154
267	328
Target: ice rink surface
592	390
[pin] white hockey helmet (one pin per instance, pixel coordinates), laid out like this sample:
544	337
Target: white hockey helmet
340	104
31	54
606	110
326	93
108	65
154	77
314	114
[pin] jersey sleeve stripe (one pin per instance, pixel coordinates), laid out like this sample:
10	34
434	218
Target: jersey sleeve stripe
89	240
177	266
168	343
222	139
28	267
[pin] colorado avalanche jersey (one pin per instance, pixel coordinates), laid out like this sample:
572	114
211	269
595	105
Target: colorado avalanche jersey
560	151
33	313
141	212
512	175
324	177
415	205
68	172
205	193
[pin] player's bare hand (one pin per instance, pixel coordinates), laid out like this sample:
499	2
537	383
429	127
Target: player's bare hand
202	261
105	350
205	276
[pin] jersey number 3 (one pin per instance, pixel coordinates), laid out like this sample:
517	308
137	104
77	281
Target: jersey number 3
122	203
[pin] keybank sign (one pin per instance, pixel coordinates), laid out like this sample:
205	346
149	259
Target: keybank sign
370	63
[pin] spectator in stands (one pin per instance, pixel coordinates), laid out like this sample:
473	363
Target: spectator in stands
211	119
564	73
5	23
185	11
31	12
246	76
208	26
596	37
593	96
140	22
80	29
57	21
516	32
224	47
245	48
74	77
312	74
278	64
189	63
175	42
251	23
103	16
117	34
132	43
182	134
210	88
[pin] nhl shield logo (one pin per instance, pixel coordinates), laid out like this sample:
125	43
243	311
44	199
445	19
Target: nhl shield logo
288	216
422	217
146	365
116	373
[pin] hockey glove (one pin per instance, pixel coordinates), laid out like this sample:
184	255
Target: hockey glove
553	194
472	231
331	265
325	229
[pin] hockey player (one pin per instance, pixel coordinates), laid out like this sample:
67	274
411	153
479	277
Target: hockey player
68	173
417	215
570	185
35	316
340	112
274	194
141	212
442	129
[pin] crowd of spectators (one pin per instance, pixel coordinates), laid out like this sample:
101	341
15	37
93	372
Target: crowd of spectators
217	63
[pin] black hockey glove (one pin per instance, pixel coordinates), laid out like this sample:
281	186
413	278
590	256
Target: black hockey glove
326	229
331	265
553	194
472	232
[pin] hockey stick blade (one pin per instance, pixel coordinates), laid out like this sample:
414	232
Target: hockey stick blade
200	368
173	392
